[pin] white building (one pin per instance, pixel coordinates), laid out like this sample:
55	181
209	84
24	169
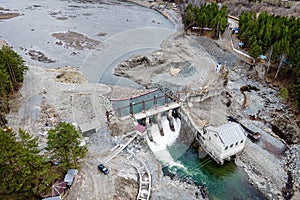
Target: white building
224	141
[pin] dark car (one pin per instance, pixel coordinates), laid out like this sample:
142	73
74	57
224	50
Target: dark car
103	169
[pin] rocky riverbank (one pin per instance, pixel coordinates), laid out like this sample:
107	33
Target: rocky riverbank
187	63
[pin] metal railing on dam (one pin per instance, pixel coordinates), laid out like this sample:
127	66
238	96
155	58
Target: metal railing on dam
140	106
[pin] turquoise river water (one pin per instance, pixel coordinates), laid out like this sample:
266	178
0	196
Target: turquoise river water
222	182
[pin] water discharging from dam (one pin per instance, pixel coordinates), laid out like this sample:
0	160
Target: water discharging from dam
181	160
160	144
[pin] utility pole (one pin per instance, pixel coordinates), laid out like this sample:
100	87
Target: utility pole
280	63
269	61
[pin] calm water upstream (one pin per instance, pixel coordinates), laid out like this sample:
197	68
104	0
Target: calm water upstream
128	29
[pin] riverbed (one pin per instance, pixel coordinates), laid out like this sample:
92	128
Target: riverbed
109	32
112	31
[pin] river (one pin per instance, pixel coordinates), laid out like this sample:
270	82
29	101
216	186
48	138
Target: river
128	29
181	160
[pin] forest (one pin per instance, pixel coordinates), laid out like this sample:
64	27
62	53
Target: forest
12	70
208	16
278	39
28	173
25	171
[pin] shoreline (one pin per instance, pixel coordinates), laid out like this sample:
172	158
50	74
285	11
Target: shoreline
247	171
178	24
258	163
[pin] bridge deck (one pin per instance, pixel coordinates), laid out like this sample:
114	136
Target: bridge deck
152	111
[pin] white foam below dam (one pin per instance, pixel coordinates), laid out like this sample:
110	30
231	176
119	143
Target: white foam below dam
160	144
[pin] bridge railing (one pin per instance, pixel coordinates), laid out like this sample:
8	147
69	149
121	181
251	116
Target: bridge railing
142	106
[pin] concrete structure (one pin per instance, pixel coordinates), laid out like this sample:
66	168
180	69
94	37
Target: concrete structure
224	141
150	106
221	143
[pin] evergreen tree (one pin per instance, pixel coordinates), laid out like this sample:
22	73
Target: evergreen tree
206	16
13	64
64	145
189	18
12	71
282	35
23	170
255	50
36	170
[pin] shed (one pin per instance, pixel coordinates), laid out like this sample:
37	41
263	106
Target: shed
69	177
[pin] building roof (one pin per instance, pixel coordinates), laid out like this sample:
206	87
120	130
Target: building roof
58	187
229	133
69	177
140	128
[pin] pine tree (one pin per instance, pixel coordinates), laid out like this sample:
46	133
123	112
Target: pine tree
13	64
282	35
36	169
255	50
12	71
64	145
23	169
9	153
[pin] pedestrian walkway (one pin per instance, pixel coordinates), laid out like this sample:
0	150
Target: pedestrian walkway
144	176
118	148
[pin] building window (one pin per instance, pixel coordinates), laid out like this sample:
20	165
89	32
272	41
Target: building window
226	147
242	141
231	145
236	143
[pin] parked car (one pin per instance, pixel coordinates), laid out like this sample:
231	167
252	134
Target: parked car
103	169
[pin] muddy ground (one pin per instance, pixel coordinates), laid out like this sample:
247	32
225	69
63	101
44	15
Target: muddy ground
75	40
